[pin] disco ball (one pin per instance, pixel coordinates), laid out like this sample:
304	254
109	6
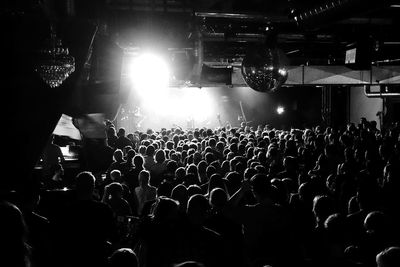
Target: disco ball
264	69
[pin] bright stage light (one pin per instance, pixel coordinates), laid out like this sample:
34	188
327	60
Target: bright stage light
197	104
280	110
183	104
178	106
150	73
164	105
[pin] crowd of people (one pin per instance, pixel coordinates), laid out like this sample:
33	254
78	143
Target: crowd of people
233	196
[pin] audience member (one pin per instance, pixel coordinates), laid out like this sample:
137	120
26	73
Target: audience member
144	192
232	196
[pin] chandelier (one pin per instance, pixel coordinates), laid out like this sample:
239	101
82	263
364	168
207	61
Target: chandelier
54	63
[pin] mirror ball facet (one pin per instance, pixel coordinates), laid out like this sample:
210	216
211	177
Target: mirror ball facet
264	69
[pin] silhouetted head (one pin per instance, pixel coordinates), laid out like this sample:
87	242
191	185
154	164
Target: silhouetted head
144	178
123	257
166	210
115	175
202	167
118	155
389	257
138	161
376	222
322	207
261	185
180	173
197	209
121	132
116	190
335	225
180	194
192	169
130	154
13	248
189	264
150	150
218	198
160	156
85	182
164	189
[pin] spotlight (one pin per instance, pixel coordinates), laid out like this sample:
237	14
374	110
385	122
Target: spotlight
280	110
149	72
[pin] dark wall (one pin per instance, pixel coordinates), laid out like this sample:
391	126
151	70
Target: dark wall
30	108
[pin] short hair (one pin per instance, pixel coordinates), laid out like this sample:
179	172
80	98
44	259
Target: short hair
138	160
142	149
375	221
160	156
389	257
189	264
218	197
171	166
115	189
260	184
121	131
85	182
123	257
118	154
335	225
165	208
131	153
197	204
115	174
179	193
202	166
322	206
192	169
150	150
169	145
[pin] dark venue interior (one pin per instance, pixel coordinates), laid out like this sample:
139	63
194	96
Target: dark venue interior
200	133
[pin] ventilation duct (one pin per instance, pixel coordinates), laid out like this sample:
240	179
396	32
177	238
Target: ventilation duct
332	11
221	75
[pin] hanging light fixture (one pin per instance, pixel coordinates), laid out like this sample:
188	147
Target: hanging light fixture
54	63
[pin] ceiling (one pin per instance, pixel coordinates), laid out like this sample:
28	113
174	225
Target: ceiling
316	32
310	32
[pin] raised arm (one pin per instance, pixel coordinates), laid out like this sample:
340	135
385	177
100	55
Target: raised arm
235	199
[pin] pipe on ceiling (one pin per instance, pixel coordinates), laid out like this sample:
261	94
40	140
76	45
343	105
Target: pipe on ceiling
242	16
335	10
